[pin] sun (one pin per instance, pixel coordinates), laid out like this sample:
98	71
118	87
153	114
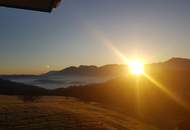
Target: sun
136	67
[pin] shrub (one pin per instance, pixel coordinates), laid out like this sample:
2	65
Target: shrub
29	98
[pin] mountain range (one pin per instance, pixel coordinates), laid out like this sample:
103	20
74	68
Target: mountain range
91	70
116	69
162	99
107	70
84	74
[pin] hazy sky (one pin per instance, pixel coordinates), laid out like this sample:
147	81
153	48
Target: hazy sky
76	33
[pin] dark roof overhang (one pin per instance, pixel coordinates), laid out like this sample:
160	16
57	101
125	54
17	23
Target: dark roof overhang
37	5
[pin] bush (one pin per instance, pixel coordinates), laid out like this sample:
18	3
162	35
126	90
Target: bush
29	98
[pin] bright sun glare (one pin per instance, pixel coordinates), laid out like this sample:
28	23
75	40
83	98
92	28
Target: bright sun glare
136	67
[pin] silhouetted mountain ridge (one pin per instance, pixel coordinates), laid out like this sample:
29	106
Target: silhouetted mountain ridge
118	69
12	88
173	63
110	69
91	70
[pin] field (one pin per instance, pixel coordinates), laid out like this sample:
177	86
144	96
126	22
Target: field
61	113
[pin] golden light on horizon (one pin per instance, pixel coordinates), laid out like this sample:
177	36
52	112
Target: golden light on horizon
136	67
172	95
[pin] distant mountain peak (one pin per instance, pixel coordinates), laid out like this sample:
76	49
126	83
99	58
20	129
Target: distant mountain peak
90	70
117	69
178	59
178	63
87	66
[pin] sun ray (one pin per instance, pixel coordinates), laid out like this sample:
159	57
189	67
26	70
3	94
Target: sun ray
164	89
168	92
116	51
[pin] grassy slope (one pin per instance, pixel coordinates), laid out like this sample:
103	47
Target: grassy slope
165	104
60	113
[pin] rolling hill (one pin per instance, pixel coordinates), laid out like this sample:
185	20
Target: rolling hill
12	88
163	102
60	113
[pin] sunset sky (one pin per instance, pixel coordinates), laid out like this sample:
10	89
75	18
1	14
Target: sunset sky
80	32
